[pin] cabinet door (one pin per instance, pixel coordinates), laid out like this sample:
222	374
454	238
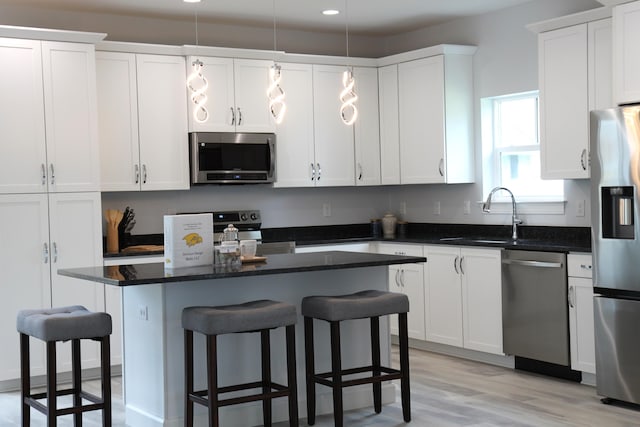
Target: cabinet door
367	127
564	118
251	79
220	103
395	286
294	136
334	149
482	299
583	354
389	126
421	108
118	121
73	154
76	241
24	262
22	152
600	54
443	296
113	306
412	281
626	58
162	123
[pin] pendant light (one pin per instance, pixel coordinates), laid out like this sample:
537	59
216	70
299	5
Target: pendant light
348	96
198	85
275	93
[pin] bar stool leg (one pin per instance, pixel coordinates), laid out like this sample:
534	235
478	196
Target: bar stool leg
375	363
105	353
310	368
292	381
76	375
212	380
336	368
405	389
265	348
188	377
52	407
25	373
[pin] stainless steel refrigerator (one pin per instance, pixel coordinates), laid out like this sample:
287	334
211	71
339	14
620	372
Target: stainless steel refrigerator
615	179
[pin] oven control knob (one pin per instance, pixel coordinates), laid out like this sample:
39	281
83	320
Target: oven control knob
243	217
254	216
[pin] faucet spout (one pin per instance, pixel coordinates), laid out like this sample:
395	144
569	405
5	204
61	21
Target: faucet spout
486	207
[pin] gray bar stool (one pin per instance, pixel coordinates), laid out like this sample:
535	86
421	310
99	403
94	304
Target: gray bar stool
255	316
63	324
360	305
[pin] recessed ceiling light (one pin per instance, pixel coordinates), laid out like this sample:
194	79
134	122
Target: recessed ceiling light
330	12
191	1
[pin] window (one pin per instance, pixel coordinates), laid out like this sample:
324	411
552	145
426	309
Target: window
511	148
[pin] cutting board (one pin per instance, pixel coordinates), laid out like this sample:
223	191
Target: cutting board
142	248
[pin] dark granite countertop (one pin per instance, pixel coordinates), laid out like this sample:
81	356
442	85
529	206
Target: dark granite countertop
142	274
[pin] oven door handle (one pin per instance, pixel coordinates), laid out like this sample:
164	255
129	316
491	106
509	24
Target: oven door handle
539	264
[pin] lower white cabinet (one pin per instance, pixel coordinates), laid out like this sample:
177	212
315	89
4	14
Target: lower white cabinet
409	280
42	233
581	330
463	298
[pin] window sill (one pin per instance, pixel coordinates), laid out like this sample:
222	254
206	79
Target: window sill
528	207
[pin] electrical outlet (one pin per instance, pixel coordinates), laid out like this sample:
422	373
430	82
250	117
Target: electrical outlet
143	312
436	208
326	209
467	207
580	208
403	208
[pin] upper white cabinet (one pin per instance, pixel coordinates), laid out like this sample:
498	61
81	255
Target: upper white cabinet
237	95
581	329
436	120
389	125
367	127
334	140
626	58
48	117
574	76
143	122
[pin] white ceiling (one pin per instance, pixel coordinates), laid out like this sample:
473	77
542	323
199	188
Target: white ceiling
379	17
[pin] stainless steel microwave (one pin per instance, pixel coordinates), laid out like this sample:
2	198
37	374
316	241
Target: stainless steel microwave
232	158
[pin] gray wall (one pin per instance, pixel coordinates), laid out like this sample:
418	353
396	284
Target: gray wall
506	62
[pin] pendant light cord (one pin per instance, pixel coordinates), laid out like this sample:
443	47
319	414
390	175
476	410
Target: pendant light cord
346	17
196	13
275	40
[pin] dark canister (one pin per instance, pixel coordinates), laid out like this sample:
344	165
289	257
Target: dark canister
402	228
376	228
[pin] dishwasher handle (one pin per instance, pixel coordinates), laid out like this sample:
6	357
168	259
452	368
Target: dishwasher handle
539	264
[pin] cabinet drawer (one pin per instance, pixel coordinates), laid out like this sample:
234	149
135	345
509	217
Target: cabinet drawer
396	249
579	265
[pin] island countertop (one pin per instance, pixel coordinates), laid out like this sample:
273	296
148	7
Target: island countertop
143	274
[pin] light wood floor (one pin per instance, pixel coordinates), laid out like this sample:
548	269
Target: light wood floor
446	391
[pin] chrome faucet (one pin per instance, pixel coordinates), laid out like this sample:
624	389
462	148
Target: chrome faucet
486	207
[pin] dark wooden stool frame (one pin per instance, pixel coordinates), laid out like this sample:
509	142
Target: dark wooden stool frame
334	378
51	409
270	390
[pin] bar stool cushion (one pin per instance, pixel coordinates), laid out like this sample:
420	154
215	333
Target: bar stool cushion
63	323
359	305
248	317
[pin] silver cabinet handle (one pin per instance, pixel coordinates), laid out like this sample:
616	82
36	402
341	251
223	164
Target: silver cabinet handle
441	167
455	264
319	171
233	116
55	251
144	174
53	174
585	266
45	253
359	172
402	277
397	280
571	296
461	269
44	173
313	172
137	173
239	117
540	264
583	159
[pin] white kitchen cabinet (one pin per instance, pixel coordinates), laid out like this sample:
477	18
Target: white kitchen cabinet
48	117
389	124
334	140
436	120
574	77
409	280
347	247
143	122
626	58
47	232
463	299
367	127
237	95
581	327
294	136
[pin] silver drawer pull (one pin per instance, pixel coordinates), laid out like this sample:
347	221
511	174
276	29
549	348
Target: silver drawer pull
540	264
586	267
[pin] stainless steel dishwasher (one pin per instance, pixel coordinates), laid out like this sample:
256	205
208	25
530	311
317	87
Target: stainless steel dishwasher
535	318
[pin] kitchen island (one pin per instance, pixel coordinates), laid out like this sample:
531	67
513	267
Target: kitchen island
152	301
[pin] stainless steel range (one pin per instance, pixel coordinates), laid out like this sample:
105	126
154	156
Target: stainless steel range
247	222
